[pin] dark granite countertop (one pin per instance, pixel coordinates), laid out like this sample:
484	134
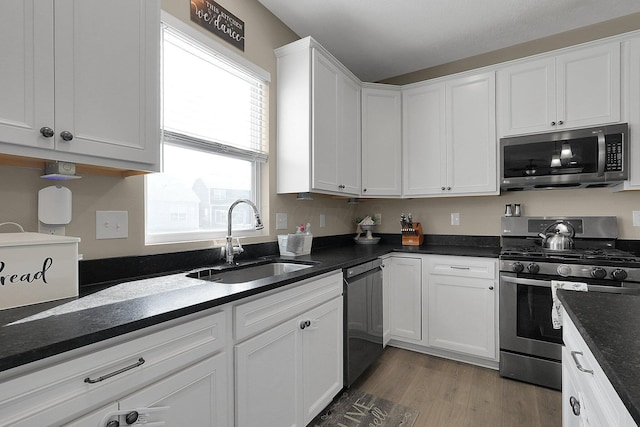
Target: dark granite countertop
610	325
38	331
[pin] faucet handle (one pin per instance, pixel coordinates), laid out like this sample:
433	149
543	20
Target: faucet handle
238	249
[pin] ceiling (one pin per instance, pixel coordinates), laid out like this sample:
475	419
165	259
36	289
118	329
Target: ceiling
379	39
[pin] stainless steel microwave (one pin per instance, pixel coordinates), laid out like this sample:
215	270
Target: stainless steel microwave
579	158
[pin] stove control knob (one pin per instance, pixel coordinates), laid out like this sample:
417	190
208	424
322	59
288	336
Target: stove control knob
564	270
517	267
598	273
533	268
619	274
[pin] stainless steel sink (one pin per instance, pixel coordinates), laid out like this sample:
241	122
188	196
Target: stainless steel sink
248	273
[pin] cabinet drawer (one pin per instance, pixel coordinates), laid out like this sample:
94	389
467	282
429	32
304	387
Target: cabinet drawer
480	268
56	393
268	311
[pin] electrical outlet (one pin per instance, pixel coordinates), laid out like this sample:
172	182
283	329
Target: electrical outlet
455	218
281	221
112	224
378	218
58	230
636	218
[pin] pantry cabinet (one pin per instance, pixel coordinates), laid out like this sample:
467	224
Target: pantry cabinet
381	140
578	88
318	122
297	352
80	81
449	137
463	297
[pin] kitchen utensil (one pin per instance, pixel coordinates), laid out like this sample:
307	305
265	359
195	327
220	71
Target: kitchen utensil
558	236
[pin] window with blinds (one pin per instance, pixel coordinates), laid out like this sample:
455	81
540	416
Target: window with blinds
215	133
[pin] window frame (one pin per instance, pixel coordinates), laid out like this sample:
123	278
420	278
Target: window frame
257	159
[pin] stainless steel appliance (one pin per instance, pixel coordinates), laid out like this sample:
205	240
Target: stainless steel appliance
530	348
593	157
362	318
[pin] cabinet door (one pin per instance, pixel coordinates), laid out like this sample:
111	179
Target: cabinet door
107	78
633	99
471	135
322	357
349	175
195	396
423	140
26	66
381	142
588	86
405	298
268	378
325	86
462	315
527	97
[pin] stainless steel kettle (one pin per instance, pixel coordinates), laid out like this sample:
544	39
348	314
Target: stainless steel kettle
558	236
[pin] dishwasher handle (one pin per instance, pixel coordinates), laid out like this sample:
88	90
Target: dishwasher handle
365	267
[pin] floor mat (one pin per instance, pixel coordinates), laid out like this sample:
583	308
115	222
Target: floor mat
354	408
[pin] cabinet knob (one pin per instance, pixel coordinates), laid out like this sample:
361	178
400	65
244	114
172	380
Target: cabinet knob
575	406
305	324
448	188
47	132
442	188
553	123
560	122
131	417
113	423
66	135
490	288
364	190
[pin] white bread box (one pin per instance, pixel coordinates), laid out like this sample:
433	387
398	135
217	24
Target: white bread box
37	267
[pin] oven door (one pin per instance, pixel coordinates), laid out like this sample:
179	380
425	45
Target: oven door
525	317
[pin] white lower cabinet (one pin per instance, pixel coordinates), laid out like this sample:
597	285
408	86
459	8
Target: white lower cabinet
175	375
443	305
462	305
293	368
404	298
588	398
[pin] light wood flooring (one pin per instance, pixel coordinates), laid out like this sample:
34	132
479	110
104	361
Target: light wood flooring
451	394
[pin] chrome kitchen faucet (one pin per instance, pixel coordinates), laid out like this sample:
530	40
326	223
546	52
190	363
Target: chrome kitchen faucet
230	249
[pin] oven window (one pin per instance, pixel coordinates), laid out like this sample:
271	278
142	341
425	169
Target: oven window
578	155
534	315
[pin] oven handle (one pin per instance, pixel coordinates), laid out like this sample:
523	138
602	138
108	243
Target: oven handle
602	152
592	288
523	281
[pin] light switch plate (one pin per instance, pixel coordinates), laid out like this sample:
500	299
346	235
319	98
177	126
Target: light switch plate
281	221
636	218
323	220
112	224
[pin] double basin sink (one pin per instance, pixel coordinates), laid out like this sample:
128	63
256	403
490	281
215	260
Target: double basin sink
249	272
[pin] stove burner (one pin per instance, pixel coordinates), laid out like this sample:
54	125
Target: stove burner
592	254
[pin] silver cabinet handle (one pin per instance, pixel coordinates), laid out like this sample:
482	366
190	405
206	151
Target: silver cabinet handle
47	132
66	135
456	267
574	355
114	373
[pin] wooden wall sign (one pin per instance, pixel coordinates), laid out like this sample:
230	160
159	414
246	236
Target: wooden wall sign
219	21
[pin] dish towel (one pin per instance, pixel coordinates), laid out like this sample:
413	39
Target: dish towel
295	243
556	309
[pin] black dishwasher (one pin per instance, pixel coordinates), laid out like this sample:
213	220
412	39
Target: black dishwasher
363	327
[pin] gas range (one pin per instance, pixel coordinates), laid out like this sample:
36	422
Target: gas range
593	257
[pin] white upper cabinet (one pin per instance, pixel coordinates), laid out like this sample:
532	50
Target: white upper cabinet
449	137
632	103
80	81
575	89
318	122
381	140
